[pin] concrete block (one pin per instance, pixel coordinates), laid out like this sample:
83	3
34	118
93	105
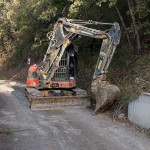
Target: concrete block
139	111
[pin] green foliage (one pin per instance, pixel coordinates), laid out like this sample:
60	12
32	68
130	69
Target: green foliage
111	3
147	131
142	11
24	25
132	76
6	132
2	77
84	9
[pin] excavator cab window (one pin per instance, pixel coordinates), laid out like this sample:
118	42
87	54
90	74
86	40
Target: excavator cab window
33	75
72	64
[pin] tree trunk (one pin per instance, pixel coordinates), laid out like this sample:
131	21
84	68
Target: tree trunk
125	28
135	26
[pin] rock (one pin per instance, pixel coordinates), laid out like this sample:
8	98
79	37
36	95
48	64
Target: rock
121	116
15	139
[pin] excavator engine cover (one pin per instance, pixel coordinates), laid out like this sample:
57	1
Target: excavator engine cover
33	79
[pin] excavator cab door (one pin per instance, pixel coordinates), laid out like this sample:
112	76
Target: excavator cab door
66	75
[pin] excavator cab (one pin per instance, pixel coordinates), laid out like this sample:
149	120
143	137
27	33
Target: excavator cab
66	75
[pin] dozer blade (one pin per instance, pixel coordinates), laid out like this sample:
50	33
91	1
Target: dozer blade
79	99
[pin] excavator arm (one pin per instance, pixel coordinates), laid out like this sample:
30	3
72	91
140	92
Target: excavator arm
67	30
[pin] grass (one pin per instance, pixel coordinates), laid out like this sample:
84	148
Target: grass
86	67
6	132
2	77
129	73
132	77
147	132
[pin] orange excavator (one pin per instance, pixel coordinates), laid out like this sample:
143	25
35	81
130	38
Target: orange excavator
53	83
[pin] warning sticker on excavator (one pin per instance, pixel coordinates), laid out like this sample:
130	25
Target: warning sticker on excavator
100	63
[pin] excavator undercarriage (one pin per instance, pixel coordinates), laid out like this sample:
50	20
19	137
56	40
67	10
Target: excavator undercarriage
53	83
57	99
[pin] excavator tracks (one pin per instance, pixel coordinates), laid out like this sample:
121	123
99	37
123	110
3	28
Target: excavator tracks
77	98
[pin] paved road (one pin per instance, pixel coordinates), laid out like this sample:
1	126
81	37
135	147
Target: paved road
74	129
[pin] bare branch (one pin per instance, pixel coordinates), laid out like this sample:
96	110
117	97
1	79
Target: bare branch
125	28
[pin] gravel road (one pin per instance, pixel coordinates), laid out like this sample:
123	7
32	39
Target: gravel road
68	129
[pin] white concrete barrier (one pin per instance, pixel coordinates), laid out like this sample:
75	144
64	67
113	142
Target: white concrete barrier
139	111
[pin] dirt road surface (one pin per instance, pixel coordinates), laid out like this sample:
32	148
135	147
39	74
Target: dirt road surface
69	129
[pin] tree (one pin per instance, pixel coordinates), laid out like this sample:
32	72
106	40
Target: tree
134	26
142	12
125	28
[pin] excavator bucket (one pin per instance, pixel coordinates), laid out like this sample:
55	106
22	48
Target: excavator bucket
57	99
104	95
